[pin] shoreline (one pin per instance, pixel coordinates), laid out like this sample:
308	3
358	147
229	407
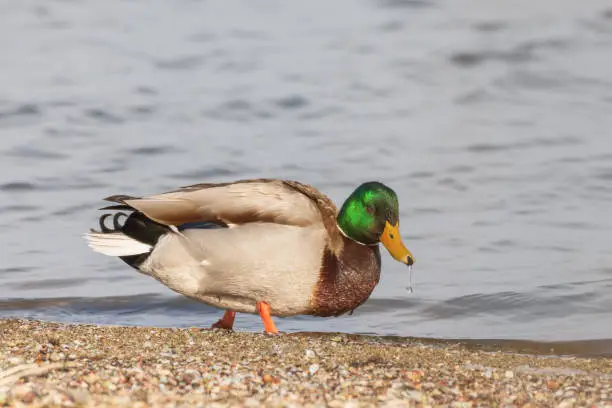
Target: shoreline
591	348
88	365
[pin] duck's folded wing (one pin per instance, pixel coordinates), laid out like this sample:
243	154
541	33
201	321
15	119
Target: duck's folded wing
277	201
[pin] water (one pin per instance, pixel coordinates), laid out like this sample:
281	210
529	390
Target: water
491	121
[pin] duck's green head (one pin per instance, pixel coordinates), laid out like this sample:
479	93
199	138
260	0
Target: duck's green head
371	215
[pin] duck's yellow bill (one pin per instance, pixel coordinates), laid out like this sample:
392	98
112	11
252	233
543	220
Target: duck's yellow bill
392	240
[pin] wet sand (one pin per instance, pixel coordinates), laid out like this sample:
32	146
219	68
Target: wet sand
49	364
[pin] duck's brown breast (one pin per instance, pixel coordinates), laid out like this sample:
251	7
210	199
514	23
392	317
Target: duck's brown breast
346	281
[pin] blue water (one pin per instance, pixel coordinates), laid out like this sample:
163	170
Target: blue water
490	120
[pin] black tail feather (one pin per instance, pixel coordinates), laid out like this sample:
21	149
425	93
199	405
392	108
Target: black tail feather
116	224
117	207
137	226
143	229
120	198
103	226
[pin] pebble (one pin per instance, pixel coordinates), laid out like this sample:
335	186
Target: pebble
268	379
414	395
567	403
15	360
80	396
57	357
251	402
428	386
24	393
91	378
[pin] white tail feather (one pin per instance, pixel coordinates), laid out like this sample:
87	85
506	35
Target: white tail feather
115	244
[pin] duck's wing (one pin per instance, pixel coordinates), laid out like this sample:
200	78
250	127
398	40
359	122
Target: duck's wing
240	202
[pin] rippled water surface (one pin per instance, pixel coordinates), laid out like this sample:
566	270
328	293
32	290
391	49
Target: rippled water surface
491	120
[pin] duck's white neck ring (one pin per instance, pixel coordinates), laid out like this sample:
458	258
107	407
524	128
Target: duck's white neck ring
352	239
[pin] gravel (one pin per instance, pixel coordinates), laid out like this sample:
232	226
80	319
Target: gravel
50	364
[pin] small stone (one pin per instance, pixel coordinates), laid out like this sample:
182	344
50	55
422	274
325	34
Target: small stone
24	393
251	402
310	353
415	375
29	397
567	403
269	379
414	395
313	369
428	386
56	357
509	374
123	400
80	396
397	386
91	378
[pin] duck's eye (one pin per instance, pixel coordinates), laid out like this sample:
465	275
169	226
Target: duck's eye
370	210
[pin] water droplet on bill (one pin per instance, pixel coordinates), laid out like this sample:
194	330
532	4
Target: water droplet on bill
410	285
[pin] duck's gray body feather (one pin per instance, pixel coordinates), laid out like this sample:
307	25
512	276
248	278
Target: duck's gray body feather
233	268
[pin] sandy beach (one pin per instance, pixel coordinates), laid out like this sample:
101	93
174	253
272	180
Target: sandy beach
49	364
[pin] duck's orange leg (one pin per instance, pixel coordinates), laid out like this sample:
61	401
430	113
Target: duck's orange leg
226	322
264	312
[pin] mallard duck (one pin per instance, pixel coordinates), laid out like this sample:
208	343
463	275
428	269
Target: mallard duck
267	246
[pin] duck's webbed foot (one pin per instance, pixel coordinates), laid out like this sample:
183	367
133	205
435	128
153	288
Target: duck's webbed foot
226	322
264	312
